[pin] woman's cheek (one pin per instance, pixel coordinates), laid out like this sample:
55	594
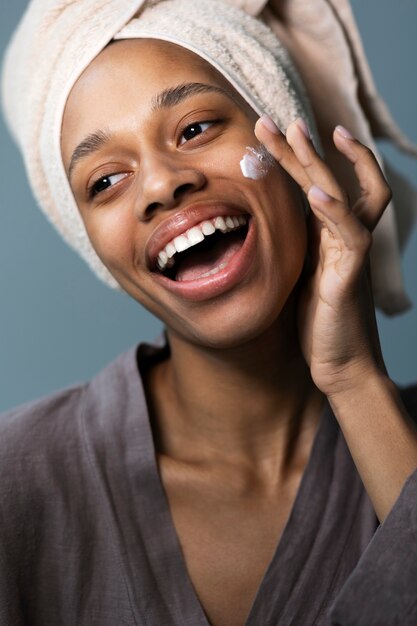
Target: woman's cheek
288	220
112	235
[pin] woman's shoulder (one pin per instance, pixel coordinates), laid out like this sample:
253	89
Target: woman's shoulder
35	436
21	422
53	415
51	429
37	441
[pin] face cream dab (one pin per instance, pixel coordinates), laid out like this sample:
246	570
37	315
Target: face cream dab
256	163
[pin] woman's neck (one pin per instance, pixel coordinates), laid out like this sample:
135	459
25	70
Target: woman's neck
251	405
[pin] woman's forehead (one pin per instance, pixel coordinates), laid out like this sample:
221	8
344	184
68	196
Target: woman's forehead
149	62
138	68
131	75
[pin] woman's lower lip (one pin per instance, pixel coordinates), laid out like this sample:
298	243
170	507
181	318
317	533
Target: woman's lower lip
220	282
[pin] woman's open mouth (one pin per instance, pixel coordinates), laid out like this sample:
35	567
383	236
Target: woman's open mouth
208	258
204	249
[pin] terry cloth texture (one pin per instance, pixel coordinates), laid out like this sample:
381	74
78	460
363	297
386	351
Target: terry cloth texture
56	40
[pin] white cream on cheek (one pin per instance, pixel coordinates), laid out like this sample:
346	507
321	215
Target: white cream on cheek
256	163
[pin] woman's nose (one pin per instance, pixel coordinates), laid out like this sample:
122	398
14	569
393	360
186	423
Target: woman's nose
165	183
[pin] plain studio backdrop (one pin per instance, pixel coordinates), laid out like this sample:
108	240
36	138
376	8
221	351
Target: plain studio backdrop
60	325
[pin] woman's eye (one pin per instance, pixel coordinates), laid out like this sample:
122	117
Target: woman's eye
104	183
193	130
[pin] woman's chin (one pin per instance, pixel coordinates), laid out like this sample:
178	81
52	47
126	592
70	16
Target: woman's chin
228	320
228	330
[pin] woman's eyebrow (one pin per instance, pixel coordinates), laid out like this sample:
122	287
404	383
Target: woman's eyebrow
170	97
91	143
175	95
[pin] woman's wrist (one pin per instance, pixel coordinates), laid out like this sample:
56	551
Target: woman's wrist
362	381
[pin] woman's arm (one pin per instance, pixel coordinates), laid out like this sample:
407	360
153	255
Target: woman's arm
336	311
380	434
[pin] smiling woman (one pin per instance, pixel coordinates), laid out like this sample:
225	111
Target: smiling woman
206	479
170	166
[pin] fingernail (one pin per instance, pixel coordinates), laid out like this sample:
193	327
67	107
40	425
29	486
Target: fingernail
269	124
344	132
303	127
317	193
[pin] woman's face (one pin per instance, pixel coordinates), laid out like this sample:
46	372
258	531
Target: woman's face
152	140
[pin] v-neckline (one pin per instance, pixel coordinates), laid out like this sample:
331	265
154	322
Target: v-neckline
330	524
164	547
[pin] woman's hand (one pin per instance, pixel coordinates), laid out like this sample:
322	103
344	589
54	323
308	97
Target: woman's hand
336	310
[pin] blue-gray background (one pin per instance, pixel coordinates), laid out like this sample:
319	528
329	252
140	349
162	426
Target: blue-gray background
59	325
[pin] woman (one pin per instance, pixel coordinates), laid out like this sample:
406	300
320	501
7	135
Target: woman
235	473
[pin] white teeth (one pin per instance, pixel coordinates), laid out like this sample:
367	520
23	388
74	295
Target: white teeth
196	235
208	228
163	256
162	259
181	243
220	224
170	250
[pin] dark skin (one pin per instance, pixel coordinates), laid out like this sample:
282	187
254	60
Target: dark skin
236	406
230	486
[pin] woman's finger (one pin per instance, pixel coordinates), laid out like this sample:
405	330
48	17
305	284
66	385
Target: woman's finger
276	143
342	224
375	191
318	172
295	152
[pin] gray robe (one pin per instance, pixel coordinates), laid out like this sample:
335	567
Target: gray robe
86	535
